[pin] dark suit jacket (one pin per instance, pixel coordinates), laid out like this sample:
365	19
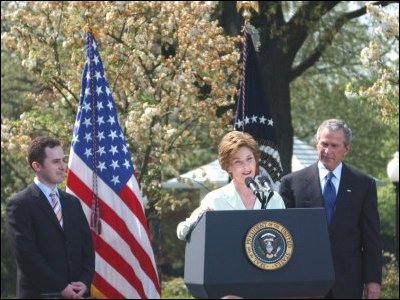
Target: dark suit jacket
48	256
355	228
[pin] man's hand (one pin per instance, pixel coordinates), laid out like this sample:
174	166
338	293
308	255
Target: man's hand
372	290
80	288
69	293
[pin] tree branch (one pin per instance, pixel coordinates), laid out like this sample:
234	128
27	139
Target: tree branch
307	16
61	83
54	83
143	168
326	40
11	167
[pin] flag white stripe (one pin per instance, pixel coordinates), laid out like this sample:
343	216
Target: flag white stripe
134	186
107	272
118	282
113	201
111	237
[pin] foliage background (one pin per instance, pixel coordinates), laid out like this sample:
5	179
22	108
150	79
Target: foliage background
173	72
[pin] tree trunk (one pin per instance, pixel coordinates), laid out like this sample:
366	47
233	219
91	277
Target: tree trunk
275	68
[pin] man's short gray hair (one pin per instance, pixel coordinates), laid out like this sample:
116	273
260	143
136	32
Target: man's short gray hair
335	125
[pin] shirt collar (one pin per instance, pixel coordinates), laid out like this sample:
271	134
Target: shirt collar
44	188
324	171
235	200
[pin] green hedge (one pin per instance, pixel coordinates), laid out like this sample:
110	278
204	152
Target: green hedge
176	288
390	280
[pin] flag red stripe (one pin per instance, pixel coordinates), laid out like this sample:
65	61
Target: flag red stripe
109	216
106	289
110	255
130	200
113	258
144	259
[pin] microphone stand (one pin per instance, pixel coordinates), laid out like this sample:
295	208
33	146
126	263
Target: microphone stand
261	197
270	196
263	181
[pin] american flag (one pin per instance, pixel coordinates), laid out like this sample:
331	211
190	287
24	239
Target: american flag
101	174
253	115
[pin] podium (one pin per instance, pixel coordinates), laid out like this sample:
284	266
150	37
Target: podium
220	261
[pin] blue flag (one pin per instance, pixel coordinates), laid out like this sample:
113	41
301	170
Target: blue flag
253	115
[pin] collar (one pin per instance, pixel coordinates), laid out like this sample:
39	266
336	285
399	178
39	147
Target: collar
45	189
234	200
324	171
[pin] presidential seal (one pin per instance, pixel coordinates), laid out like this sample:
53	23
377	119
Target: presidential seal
269	245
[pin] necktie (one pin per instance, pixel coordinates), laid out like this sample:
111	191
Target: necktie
56	207
329	196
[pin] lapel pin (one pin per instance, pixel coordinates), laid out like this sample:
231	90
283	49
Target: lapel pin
349	191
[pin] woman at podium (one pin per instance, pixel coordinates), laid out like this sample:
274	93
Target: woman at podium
239	155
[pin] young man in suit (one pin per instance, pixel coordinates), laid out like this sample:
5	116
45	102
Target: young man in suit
350	201
48	230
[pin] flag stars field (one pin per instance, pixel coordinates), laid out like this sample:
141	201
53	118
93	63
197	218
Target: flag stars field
254	120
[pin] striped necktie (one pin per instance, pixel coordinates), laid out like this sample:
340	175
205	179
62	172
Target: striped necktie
56	207
329	196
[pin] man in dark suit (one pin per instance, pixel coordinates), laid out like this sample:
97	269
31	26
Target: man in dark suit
48	230
350	200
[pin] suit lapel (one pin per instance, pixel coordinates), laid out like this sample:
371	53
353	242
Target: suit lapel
66	210
43	203
314	187
344	194
345	189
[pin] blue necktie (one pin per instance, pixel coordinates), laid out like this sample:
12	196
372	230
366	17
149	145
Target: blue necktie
329	196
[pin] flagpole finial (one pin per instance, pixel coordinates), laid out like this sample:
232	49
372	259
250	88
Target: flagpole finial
246	6
89	28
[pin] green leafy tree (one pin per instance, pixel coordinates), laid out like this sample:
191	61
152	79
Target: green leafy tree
170	68
286	29
169	65
16	83
320	94
383	93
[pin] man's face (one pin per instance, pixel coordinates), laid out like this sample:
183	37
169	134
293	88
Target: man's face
52	171
331	148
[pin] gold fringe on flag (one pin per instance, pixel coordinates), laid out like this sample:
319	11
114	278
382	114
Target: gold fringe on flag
96	294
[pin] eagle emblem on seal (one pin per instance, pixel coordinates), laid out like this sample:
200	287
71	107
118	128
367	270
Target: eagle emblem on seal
269	244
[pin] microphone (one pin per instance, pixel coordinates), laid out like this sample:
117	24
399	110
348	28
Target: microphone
265	183
252	184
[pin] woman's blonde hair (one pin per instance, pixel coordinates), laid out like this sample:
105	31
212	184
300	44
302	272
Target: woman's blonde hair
230	144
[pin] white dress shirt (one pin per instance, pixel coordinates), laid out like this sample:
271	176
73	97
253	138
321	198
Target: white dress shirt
335	179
